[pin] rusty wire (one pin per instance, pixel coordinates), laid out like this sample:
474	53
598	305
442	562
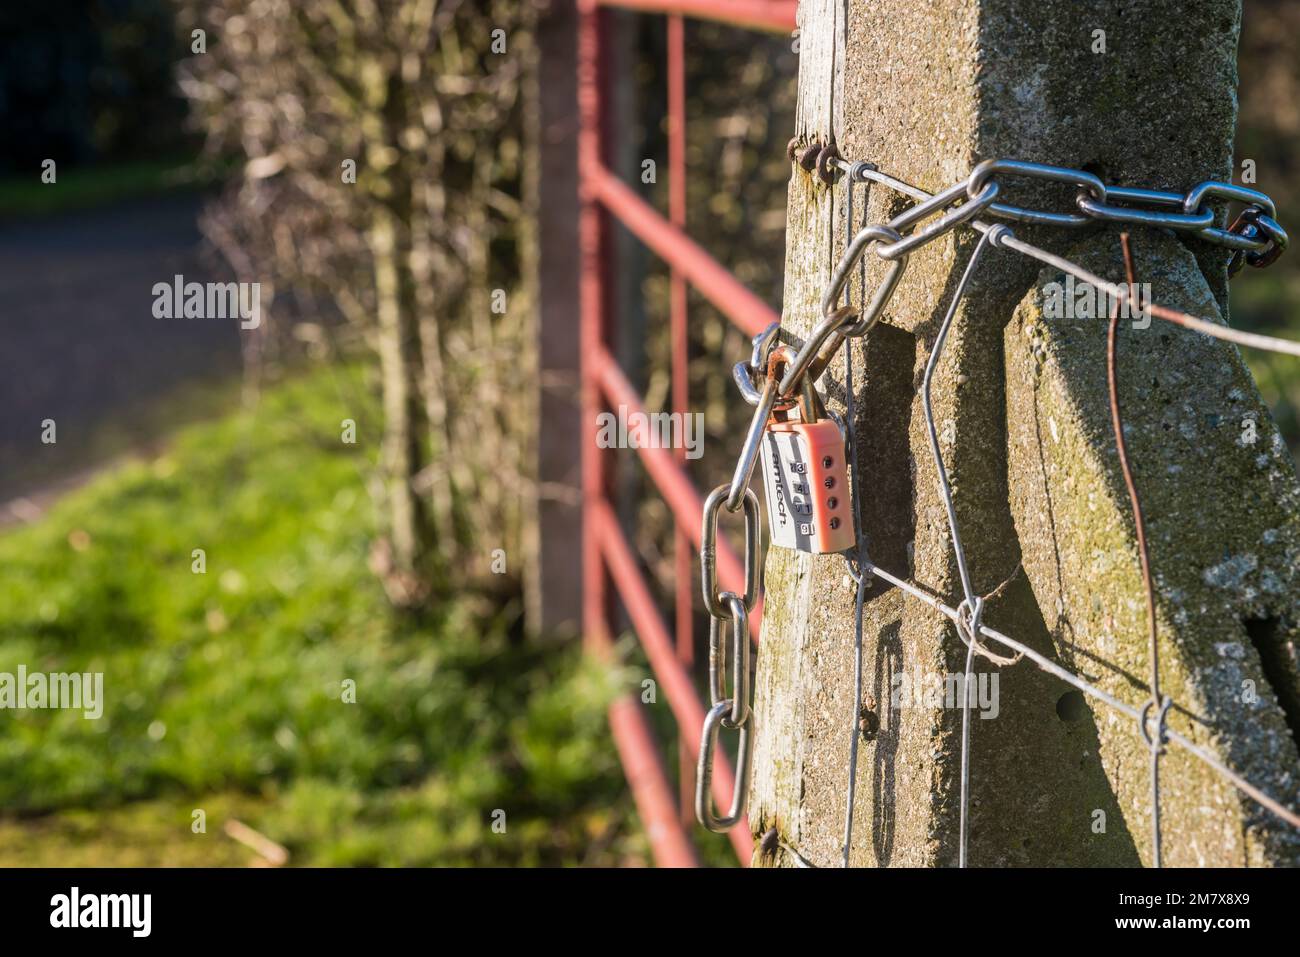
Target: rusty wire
1161	705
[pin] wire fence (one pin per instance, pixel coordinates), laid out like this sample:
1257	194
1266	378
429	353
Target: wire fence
1255	237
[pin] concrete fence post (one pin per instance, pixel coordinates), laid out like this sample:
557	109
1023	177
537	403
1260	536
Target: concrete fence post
1141	93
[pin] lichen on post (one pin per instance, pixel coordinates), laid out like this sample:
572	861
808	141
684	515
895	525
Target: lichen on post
926	91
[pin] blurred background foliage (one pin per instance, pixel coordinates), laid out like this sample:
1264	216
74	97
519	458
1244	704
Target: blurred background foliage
382	181
1268	132
91	82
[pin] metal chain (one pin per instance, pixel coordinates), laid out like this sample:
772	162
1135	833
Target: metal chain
1255	236
731	712
773	381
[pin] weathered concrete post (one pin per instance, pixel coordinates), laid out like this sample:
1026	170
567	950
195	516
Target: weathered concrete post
926	90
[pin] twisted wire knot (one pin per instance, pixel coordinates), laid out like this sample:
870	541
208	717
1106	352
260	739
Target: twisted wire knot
1157	743
968	629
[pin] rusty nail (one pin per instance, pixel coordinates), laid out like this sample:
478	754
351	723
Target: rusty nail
808	159
825	170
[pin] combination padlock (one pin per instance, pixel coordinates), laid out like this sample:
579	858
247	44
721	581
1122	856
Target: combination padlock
805	476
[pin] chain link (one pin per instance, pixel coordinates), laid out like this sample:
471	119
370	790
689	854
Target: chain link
727	607
739	698
709	551
1256	238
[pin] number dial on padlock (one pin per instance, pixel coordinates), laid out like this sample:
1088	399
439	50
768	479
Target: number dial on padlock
805	478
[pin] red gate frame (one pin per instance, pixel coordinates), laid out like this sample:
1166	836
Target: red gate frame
607	555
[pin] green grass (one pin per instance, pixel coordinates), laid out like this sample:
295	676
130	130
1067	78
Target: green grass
223	690
75	189
1266	301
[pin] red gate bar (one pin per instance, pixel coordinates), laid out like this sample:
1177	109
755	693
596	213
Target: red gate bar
649	784
683	606
644	771
651	791
672	482
774	16
657	642
674	247
651	630
605	548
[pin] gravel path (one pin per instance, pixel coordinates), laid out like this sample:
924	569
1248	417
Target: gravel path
80	343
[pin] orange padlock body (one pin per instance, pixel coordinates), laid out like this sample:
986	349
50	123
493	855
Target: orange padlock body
806	480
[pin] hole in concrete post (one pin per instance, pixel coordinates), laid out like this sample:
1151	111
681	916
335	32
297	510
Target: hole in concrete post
1071	706
1277	657
1096	168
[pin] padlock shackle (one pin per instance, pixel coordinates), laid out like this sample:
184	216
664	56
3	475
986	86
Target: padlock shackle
810	404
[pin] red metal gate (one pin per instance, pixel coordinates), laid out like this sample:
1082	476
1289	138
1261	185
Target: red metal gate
608	558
